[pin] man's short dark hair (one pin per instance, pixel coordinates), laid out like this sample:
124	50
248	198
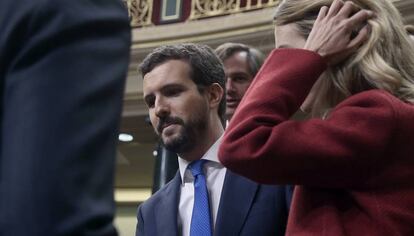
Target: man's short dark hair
255	58
206	67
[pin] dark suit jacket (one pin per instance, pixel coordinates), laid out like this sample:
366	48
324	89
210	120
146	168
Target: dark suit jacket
62	72
246	208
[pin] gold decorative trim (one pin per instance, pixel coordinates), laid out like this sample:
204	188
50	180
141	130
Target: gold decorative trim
139	12
208	8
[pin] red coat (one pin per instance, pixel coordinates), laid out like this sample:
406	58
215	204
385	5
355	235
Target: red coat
354	170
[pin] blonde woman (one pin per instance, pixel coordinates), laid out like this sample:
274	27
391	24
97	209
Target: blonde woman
351	66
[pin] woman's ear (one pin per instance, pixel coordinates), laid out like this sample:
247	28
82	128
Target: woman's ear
215	93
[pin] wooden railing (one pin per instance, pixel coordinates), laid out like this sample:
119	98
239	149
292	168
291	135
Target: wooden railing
208	8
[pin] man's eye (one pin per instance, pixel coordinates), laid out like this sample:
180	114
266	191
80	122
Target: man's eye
173	92
150	103
239	79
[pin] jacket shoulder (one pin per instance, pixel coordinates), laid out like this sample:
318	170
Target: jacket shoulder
166	191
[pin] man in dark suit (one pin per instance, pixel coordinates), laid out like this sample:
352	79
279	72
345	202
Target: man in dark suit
241	64
62	70
184	91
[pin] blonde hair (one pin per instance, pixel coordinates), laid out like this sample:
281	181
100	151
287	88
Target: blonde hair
385	61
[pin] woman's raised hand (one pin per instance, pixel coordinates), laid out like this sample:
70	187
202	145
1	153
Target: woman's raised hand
338	31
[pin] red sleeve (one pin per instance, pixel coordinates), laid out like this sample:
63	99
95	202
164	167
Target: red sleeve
345	149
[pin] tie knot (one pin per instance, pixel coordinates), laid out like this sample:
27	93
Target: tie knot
196	167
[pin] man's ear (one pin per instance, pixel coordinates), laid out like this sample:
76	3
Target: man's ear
215	93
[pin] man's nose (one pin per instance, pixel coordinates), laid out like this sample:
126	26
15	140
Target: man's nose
161	108
229	85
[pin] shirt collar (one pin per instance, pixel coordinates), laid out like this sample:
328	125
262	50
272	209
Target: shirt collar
210	155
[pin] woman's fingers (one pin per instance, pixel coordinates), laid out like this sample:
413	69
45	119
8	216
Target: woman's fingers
322	13
347	9
335	7
359	18
338	31
360	38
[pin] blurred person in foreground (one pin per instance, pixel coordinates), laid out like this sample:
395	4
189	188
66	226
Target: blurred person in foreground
184	91
63	68
351	65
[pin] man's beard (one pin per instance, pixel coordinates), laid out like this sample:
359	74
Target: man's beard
186	139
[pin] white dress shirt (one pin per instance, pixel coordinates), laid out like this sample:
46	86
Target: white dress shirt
215	173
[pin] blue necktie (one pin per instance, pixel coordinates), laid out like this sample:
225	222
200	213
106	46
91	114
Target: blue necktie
200	220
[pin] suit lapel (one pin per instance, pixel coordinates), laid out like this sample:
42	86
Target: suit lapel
235	202
167	208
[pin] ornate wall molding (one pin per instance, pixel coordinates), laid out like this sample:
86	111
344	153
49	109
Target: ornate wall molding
139	12
208	8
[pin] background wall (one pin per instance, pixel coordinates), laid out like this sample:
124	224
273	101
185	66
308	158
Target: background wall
125	220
